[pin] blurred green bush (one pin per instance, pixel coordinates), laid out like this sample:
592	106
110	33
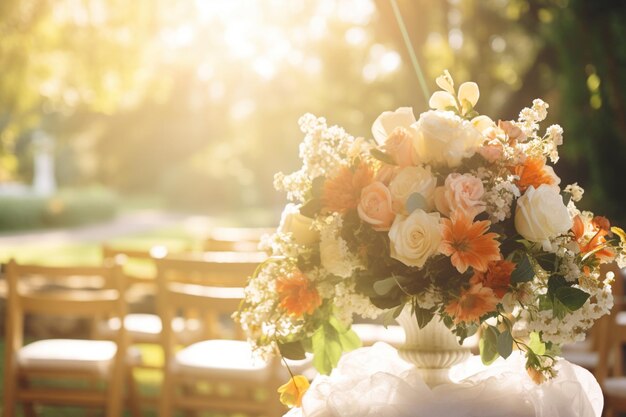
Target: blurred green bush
70	207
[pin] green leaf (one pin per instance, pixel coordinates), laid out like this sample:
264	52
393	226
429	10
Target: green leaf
383	157
558	309
523	271
384	286
337	325
389	316
554	283
547	261
292	350
416	201
311	208
326	348
505	344
424	316
488	345
536	345
317	186
349	341
566	197
572	298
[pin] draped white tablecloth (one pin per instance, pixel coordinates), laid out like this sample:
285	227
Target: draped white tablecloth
375	382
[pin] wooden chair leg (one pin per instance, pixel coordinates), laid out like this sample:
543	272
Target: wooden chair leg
27	407
133	394
167	394
115	388
10	389
189	390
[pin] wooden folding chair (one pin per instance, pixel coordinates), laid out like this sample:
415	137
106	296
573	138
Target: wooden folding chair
212	288
236	239
609	339
54	360
143	326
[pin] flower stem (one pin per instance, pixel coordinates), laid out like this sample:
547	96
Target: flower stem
409	47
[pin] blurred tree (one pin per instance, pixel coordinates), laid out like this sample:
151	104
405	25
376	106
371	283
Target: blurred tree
198	100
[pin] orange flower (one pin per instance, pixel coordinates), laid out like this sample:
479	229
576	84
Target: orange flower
474	302
533	172
292	392
343	192
468	244
497	277
536	375
597	243
296	294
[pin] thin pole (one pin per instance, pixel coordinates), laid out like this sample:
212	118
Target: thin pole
409	46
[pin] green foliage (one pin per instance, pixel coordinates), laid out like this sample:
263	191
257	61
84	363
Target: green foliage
523	271
505	344
536	345
416	201
292	350
488	345
328	343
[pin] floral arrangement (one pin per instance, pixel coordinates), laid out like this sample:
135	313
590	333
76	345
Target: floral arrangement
451	214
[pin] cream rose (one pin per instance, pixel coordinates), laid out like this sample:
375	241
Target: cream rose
445	138
411	180
460	192
300	227
541	214
415	238
385	124
375	206
393	130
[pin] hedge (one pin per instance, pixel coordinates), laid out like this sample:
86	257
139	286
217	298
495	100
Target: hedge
70	207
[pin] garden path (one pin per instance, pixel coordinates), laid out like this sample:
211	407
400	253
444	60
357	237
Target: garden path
124	224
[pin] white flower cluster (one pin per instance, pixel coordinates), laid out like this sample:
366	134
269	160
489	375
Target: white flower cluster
575	190
500	199
530	117
573	327
348	302
552	139
335	256
323	150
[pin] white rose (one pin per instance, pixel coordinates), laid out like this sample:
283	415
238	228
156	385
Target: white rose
445	138
541	214
415	238
334	256
411	180
385	124
291	221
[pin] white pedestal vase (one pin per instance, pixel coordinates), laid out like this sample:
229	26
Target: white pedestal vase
432	349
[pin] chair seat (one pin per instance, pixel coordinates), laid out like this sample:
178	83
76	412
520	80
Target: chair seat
586	359
76	355
615	387
146	328
232	359
221	358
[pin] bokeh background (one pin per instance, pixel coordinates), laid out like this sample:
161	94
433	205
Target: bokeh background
192	105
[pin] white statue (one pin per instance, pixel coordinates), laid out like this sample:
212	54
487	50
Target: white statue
44	182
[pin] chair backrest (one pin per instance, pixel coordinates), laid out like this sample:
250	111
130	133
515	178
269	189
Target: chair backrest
240	234
138	263
217	245
26	294
608	334
209	286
